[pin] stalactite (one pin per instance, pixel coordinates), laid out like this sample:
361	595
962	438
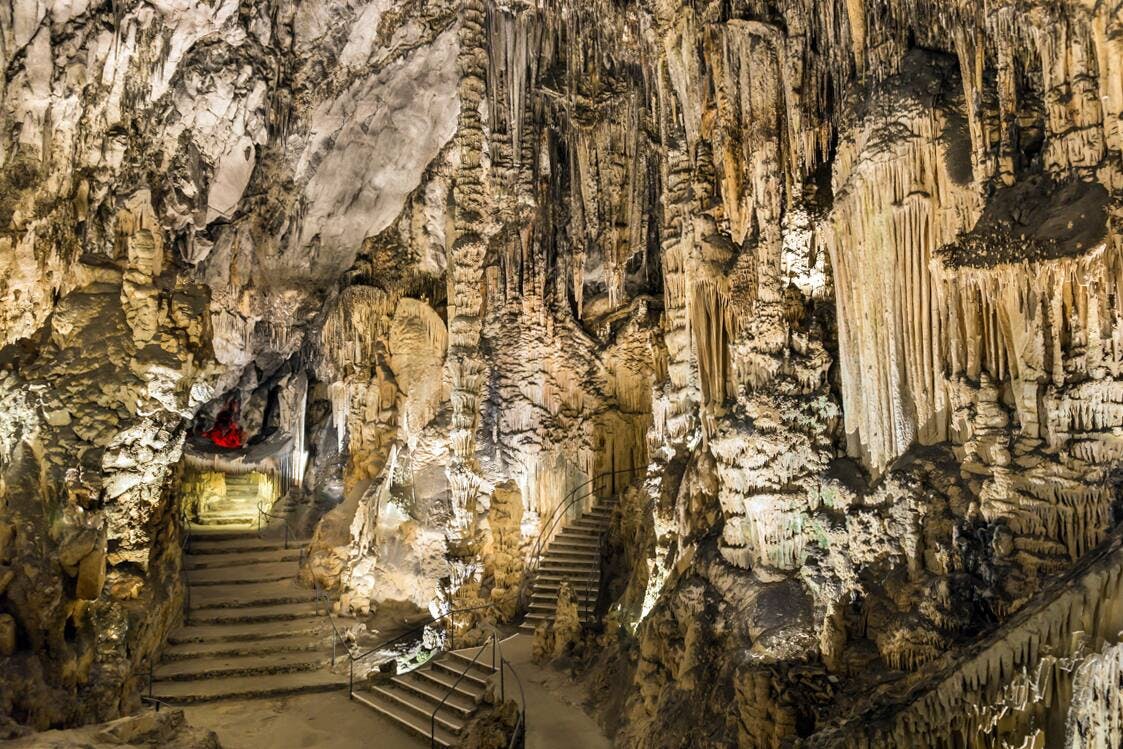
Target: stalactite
340	395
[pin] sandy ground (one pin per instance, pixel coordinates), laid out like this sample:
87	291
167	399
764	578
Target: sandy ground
555	719
310	720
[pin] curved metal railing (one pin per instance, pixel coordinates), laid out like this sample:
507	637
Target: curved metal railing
578	494
263	513
409	633
337	637
518	736
499	666
494	642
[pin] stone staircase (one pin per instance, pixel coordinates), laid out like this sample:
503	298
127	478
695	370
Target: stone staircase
250	629
409	699
572	556
238	509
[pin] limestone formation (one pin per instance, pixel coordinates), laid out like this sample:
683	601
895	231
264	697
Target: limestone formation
817	306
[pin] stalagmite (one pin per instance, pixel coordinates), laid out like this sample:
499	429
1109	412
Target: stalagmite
770	350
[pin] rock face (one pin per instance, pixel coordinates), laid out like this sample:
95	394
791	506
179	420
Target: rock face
166	728
826	293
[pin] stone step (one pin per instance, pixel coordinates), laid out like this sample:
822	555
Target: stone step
241	521
550	607
464	657
456	668
242	486
423	707
241	478
586	528
459	703
551	597
272	613
228	506
407	719
240	559
247	596
575	542
573	567
239	665
555	579
246	574
239	632
224	648
565	555
554	582
240	545
444	681
247	687
533	619
202	532
545	615
576	577
555	552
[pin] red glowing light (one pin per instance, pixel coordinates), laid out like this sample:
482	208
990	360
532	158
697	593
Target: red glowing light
226	432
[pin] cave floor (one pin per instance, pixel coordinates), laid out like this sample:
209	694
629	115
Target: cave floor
555	717
311	720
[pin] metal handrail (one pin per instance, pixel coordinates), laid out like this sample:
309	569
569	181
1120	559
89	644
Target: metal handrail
156	702
518	737
519	732
336	636
535	559
451	615
433	717
261	511
568	501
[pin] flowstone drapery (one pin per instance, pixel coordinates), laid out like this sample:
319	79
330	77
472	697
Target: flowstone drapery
830	289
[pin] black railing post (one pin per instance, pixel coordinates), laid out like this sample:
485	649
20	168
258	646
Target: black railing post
452	630
351	681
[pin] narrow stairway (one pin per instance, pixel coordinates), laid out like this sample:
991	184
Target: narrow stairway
250	630
572	556
409	699
237	509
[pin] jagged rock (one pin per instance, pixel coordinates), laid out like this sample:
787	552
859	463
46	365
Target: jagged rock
91	575
166	728
7	635
827	295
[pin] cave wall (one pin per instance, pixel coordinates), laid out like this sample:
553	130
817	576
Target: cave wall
837	280
183	182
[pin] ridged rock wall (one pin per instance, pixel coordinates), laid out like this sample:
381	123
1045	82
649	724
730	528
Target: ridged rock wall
841	276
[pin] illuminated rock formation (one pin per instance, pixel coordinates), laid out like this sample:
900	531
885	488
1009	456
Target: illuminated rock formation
825	294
